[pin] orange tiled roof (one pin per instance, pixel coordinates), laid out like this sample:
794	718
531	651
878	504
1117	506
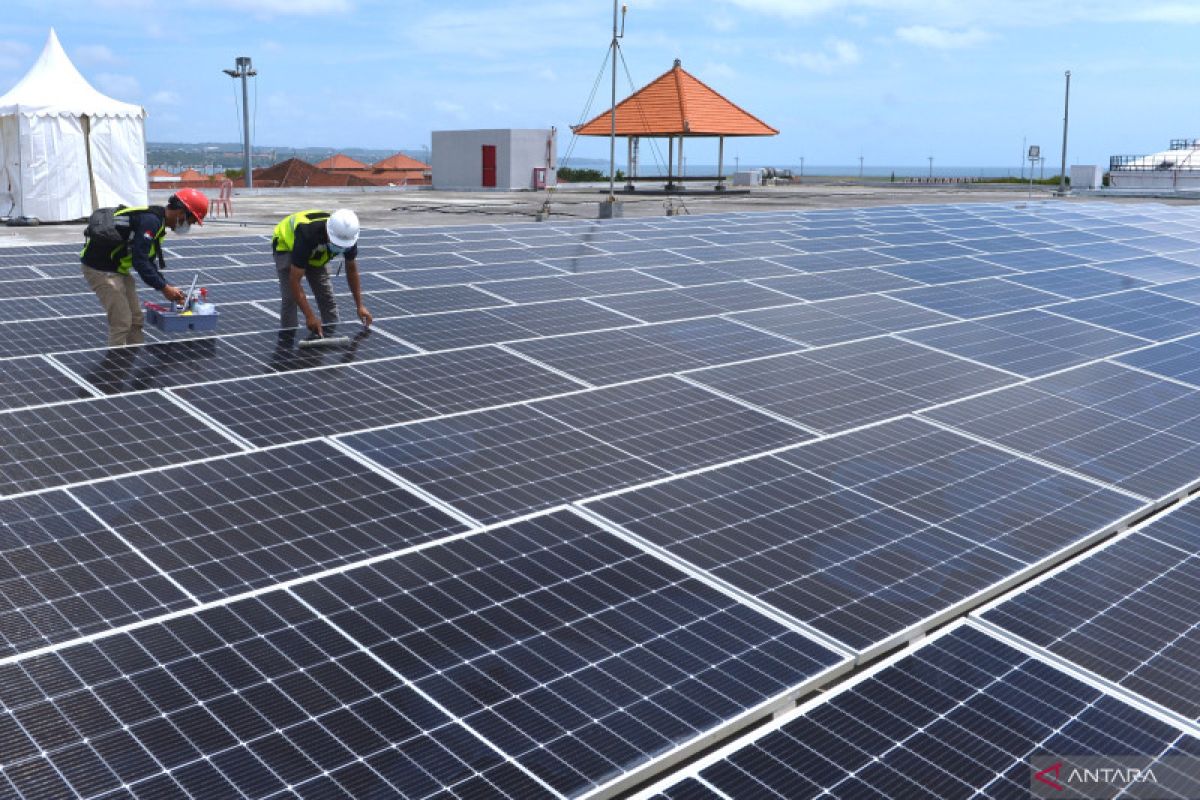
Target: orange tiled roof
339	161
159	172
677	104
399	161
192	175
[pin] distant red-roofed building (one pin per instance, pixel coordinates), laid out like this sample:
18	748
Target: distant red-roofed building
400	170
294	173
341	163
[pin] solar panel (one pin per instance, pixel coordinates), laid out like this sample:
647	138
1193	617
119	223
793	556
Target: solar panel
580	656
841	541
848	385
1149	605
1118	425
1138	313
1033	260
565	287
621	355
248	699
1177	360
64	575
61	444
698	301
506	462
33	381
947	270
844	319
224	527
1029	343
842	283
965	715
304	404
977	298
1077	282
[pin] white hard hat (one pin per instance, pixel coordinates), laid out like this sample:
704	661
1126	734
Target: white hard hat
343	228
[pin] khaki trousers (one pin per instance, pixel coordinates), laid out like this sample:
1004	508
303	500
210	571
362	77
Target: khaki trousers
118	295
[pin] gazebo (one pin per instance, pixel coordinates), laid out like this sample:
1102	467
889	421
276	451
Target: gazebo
676	105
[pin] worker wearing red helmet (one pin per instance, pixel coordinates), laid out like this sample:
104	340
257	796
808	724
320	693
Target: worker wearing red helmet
108	263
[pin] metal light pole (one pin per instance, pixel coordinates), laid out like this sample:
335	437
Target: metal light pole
244	70
612	140
1062	178
860	167
801	166
930	167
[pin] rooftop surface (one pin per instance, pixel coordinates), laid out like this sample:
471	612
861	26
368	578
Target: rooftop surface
592	496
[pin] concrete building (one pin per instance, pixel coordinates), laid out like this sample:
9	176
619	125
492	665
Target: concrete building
501	158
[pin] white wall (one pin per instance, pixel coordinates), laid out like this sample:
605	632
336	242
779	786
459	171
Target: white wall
457	157
1160	180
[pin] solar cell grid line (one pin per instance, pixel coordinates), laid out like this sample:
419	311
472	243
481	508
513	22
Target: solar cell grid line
845	386
64	575
1078	613
33	381
946	270
159	365
836	261
256	519
964	715
723	521
502	463
581	657
840	320
1116	425
1029	343
67	443
1137	313
976	298
1079	282
843	283
559	317
244	700
1034	260
300	404
1177	360
1181	290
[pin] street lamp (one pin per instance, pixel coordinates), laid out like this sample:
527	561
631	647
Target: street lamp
930	167
244	69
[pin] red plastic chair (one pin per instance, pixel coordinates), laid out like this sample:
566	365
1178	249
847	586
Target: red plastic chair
225	198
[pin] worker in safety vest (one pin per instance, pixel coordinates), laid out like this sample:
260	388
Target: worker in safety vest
131	242
304	243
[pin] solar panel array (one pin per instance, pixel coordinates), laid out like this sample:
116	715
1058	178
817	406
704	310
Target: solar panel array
590	496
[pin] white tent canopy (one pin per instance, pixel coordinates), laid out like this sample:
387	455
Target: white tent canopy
65	148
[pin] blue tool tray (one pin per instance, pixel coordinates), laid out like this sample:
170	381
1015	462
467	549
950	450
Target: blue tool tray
176	322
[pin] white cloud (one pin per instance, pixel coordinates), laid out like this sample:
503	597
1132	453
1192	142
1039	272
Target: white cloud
14	55
498	32
838	53
93	55
996	13
942	38
715	70
269	8
450	109
119	85
165	98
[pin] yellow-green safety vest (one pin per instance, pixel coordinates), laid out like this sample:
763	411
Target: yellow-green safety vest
125	264
285	235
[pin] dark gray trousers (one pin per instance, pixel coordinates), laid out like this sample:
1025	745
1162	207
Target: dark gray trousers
319	281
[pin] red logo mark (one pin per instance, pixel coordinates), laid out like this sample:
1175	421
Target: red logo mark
1041	775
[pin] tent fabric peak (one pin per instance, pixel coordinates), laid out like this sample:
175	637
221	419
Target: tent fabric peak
53	87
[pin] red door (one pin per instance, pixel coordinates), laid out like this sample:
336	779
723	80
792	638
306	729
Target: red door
489	165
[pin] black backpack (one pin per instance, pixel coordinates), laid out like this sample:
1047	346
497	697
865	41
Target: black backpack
107	228
111	230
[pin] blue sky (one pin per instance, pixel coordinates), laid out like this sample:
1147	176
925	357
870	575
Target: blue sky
894	80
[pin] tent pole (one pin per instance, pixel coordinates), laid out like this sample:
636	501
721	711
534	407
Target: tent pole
87	149
629	163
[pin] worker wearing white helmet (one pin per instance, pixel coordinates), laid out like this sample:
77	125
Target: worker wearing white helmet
304	244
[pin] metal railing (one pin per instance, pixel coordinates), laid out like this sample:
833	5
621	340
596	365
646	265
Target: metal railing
1187	160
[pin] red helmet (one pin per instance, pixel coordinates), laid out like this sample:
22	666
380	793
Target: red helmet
195	201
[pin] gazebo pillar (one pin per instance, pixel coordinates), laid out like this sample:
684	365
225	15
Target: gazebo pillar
629	187
670	155
720	163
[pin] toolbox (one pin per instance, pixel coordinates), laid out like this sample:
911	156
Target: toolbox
170	321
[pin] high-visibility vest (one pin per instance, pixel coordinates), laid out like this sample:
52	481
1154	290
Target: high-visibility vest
122	254
285	235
